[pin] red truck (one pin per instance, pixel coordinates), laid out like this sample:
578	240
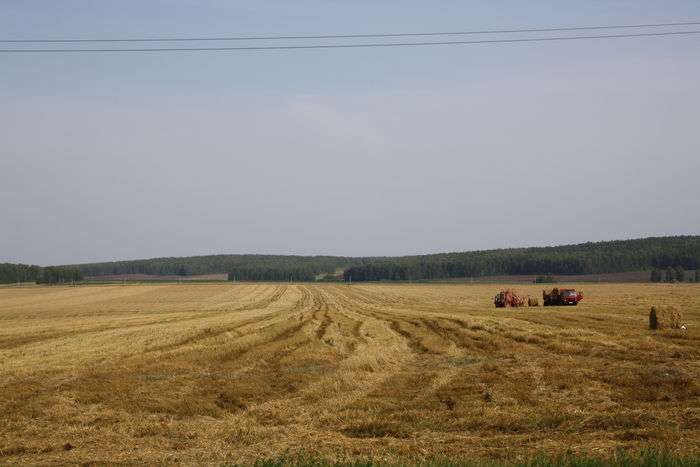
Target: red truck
559	297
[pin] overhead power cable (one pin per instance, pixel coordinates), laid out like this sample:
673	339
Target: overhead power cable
349	46
355	36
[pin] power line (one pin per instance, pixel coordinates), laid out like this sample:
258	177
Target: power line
355	36
349	46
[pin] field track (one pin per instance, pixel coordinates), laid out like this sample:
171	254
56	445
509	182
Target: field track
209	373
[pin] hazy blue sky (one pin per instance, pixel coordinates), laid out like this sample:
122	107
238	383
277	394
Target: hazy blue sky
350	152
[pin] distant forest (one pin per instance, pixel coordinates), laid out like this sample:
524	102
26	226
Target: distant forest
238	267
10	273
18	273
585	258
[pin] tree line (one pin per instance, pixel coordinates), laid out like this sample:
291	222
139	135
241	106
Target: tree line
11	273
674	274
59	275
586	258
248	266
18	273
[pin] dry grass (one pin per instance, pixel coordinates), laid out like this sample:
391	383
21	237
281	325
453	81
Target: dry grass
666	317
208	374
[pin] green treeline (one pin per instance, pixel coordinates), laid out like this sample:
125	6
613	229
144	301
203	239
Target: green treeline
677	274
244	267
11	273
17	273
586	258
59	275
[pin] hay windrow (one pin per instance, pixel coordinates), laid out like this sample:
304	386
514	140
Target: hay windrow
665	317
213	373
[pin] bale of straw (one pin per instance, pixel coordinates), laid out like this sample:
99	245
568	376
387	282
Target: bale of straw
665	317
532	301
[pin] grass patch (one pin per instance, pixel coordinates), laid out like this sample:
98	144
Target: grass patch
645	458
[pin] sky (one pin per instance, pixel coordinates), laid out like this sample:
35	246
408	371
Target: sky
355	152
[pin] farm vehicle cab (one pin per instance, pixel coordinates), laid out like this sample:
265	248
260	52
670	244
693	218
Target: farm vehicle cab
561	297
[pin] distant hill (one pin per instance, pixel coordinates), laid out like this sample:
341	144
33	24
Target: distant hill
581	259
242	267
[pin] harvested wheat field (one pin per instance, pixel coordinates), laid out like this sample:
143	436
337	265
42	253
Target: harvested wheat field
217	373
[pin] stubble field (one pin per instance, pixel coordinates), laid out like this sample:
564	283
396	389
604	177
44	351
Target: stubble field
217	373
